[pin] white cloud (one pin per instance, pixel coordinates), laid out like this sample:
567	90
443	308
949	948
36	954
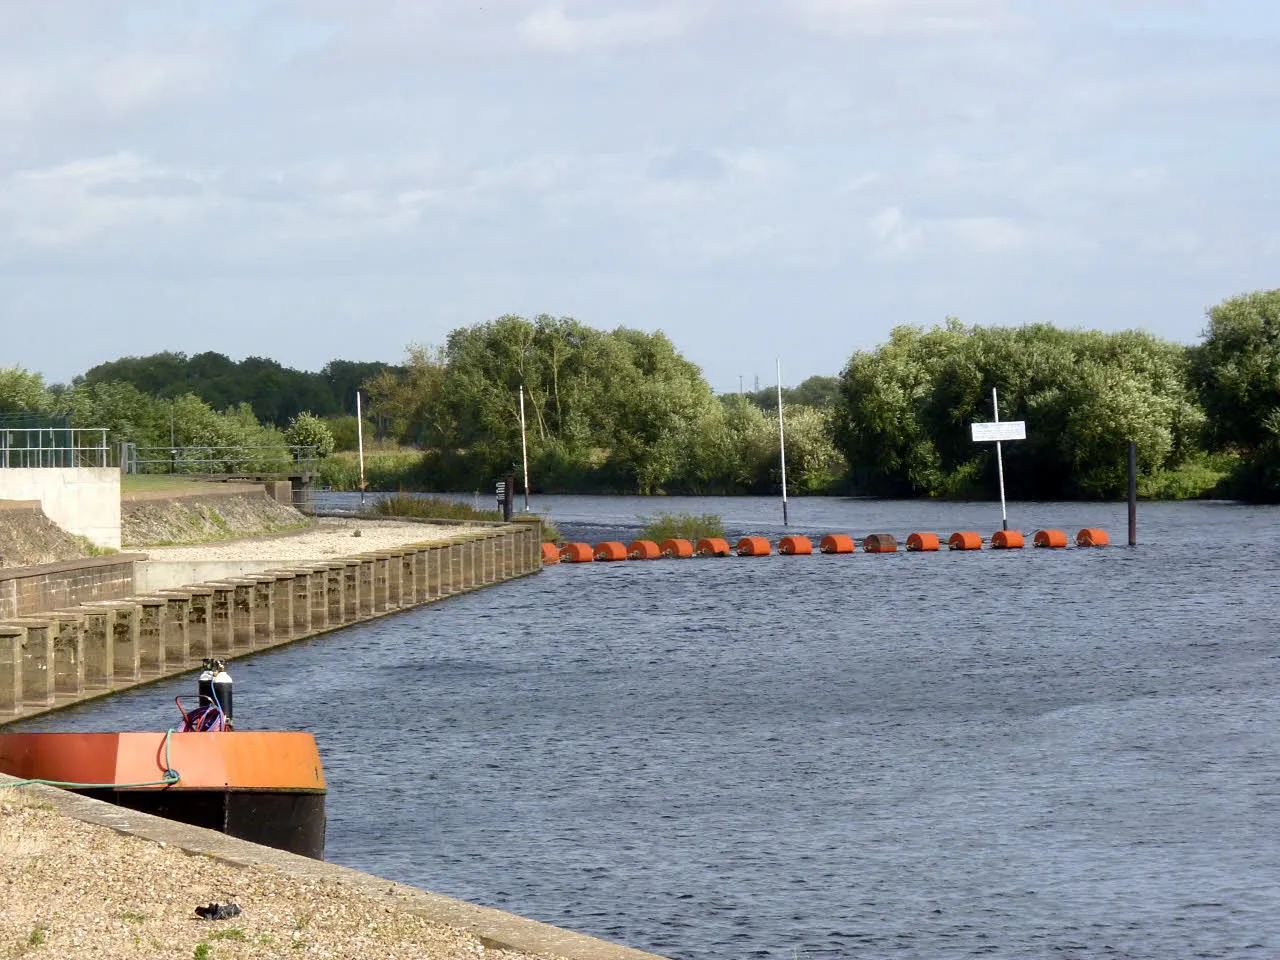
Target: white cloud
879	17
553	30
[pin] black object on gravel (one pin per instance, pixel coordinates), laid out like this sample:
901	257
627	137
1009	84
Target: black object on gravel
218	911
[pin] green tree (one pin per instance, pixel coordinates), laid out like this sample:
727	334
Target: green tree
22	391
308	430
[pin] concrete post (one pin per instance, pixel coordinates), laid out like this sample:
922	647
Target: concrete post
243	625
282	597
151	659
37	664
410	583
126	666
262	595
200	623
364	587
99	647
336	588
471	564
13	640
221	607
68	654
395	580
438	570
177	627
317	587
379	568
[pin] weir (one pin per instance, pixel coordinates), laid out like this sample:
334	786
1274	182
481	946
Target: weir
54	658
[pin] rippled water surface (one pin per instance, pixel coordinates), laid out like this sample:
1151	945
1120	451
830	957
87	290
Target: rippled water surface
1022	754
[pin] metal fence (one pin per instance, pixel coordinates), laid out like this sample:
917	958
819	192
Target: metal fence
57	446
239	461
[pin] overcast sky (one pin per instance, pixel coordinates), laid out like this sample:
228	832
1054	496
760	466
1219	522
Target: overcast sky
310	179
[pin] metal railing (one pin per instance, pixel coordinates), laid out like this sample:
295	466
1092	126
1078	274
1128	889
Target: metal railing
247	461
54	447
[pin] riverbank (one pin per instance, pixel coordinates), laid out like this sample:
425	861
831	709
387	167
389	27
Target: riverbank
82	878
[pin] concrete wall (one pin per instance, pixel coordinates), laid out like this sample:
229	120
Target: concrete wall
81	500
152	575
50	586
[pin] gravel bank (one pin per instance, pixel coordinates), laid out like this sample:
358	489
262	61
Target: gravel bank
331	537
77	890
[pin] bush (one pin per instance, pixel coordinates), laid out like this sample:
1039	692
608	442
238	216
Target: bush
428	508
308	430
682	526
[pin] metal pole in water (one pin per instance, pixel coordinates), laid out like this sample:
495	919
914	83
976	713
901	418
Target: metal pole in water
1133	493
524	451
360	444
1004	516
782	446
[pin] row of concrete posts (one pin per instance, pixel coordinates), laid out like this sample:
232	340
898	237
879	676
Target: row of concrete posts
58	657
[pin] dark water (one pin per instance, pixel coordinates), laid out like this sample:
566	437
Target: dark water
1022	755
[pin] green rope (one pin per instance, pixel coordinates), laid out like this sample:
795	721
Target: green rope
171	776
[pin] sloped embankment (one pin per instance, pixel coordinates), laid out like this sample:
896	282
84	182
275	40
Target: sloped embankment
200	519
28	537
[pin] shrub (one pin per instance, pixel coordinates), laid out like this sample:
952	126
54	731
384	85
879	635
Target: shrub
308	430
683	526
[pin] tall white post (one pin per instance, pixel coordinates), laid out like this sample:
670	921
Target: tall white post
1004	517
360	444
782	446
524	451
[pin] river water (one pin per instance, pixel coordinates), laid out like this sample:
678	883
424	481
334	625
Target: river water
1020	754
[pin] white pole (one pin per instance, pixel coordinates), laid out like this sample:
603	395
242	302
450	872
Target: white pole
360	444
1004	517
782	446
524	451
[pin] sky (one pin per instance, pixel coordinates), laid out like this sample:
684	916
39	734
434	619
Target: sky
787	180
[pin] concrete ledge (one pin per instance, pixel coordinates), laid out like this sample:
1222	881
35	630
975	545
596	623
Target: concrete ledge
495	928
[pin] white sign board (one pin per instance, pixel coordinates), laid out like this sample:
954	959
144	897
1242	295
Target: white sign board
1001	430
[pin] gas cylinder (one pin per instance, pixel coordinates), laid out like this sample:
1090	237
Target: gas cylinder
204	685
222	690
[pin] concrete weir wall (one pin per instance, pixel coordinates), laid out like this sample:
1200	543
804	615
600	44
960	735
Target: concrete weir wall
92	647
25	591
81	500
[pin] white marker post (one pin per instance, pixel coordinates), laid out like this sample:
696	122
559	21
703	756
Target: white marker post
524	451
782	446
360	444
997	431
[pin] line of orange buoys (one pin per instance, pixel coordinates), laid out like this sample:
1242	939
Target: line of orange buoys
790	546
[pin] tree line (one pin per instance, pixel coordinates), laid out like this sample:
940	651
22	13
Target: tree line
623	411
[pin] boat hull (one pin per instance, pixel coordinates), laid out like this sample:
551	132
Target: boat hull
260	786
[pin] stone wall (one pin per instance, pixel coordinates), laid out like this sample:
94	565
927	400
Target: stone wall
28	590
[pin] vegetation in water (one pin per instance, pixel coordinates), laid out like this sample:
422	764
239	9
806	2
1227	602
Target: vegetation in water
427	508
681	526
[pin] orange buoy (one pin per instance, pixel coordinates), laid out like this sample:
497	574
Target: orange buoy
1049	538
610	550
922	542
836	543
1006	540
795	546
677	549
1092	537
550	553
879	543
754	547
713	547
576	553
643	550
965	540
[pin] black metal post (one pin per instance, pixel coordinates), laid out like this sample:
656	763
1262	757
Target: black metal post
1133	494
